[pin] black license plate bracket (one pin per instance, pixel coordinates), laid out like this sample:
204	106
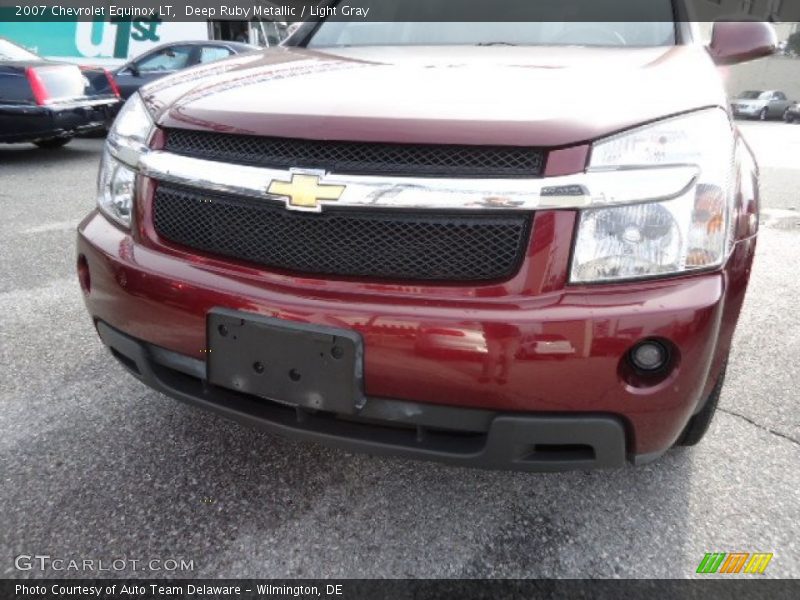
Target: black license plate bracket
297	364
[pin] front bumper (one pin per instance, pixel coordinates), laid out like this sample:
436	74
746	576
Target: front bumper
746	111
502	350
477	438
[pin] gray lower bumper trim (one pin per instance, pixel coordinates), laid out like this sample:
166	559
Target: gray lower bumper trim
467	437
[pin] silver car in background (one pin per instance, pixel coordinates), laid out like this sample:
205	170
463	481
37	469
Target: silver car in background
763	105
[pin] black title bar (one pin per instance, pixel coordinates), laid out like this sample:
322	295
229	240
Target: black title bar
733	588
396	10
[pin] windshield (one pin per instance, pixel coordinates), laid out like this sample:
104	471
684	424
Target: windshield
9	51
750	95
651	24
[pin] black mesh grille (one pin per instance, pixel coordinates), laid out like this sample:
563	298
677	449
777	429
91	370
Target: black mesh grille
344	242
359	157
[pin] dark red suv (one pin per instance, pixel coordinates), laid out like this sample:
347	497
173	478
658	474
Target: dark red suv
513	245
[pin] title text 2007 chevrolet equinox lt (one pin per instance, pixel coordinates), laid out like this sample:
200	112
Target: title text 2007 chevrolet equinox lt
509	245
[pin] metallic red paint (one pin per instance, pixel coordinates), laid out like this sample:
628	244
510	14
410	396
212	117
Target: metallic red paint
738	41
533	343
562	96
446	344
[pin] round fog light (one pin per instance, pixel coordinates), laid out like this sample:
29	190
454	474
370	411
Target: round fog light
649	356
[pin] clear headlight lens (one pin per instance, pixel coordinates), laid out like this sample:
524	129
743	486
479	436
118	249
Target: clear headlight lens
115	189
658	238
130	132
125	144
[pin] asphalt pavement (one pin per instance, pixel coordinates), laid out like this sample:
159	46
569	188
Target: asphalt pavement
94	465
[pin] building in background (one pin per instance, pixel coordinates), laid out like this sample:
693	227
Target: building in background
780	72
113	42
767	10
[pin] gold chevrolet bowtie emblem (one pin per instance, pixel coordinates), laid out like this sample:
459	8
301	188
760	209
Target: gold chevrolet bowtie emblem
304	191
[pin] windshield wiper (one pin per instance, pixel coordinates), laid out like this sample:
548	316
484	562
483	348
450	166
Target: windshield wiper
495	44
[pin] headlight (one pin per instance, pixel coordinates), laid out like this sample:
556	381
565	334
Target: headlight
678	235
125	144
129	134
115	189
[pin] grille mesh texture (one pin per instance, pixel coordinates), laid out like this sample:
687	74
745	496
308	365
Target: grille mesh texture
359	157
388	245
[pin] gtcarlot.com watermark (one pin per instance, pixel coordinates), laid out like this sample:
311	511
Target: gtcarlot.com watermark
45	562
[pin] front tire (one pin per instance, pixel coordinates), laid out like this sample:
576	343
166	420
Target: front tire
698	425
762	116
53	143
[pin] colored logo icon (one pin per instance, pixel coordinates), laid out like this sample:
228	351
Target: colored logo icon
734	562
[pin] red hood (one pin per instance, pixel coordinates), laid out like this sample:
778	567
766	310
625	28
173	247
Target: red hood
539	96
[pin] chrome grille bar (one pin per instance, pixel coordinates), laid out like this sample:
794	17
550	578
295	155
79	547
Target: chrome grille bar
594	188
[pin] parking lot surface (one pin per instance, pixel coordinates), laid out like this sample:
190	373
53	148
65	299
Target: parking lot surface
93	465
